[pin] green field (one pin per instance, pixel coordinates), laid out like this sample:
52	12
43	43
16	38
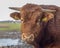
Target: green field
10	26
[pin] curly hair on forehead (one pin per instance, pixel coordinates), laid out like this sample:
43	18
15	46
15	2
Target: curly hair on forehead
30	7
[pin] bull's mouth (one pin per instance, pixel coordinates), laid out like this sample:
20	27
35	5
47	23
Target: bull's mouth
28	38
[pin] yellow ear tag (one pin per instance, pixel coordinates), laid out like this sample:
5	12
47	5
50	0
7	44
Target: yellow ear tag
45	19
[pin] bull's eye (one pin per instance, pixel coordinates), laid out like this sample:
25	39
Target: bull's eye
22	20
38	21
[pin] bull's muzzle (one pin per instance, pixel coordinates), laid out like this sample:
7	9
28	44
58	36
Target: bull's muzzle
28	38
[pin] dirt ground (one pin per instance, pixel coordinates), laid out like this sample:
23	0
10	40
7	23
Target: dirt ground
13	35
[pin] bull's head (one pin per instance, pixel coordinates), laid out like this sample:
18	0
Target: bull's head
33	18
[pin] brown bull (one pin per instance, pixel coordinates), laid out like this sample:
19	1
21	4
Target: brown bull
40	24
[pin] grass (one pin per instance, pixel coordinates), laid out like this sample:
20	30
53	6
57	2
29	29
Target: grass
9	26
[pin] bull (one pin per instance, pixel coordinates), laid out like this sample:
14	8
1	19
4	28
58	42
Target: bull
40	24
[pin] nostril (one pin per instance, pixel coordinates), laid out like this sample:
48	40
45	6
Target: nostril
31	37
23	37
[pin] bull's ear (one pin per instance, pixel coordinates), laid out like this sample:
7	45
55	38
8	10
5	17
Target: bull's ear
47	16
15	15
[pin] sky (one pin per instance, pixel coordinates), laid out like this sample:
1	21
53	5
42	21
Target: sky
5	11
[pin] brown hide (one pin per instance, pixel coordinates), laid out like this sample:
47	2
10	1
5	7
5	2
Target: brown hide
36	31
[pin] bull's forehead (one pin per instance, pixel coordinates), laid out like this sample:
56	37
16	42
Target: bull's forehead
29	11
31	15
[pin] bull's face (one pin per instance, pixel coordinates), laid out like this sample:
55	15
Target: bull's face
32	17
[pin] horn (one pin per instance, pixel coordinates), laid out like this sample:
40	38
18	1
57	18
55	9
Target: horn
15	8
48	10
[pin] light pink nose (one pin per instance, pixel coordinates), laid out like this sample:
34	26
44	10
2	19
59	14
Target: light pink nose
28	38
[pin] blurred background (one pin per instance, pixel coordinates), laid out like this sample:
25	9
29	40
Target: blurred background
10	34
